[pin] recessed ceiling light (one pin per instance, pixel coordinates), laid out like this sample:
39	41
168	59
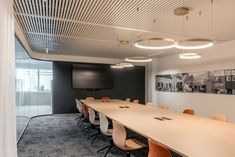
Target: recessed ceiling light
155	43
189	56
190	44
138	59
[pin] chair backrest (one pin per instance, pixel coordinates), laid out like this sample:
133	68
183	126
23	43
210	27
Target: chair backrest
136	101
90	98
85	111
128	99
105	97
165	107
189	111
219	117
119	134
78	105
149	104
91	115
104	123
157	150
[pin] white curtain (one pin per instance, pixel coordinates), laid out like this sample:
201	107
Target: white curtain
7	81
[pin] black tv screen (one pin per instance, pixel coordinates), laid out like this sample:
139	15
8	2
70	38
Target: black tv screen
91	77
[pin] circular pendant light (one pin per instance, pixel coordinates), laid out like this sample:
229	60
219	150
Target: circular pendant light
127	65
189	56
116	66
190	44
155	43
138	59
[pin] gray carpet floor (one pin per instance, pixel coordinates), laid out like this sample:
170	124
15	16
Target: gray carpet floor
59	136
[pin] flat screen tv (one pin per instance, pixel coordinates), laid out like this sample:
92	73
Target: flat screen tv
91	77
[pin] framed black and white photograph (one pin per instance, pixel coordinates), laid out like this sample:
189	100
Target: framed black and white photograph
217	82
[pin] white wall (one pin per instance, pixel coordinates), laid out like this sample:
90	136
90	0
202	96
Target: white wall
221	56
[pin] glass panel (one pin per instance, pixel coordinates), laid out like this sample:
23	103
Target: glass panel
45	78
33	87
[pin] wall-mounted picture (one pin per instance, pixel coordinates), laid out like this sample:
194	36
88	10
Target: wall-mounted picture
217	82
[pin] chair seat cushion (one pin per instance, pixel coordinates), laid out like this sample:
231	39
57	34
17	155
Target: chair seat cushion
96	122
132	144
110	132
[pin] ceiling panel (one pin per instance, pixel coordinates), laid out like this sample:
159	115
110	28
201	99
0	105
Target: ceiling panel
94	27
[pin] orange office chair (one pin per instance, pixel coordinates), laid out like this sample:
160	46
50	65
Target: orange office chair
219	117
157	150
189	111
85	111
105	98
85	115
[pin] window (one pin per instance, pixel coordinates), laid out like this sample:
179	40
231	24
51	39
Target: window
45	79
33	80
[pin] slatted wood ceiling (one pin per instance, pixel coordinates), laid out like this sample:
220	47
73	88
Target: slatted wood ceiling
93	27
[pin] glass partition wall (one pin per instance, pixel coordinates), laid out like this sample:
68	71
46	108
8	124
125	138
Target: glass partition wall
33	87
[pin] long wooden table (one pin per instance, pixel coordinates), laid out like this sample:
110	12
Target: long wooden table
187	135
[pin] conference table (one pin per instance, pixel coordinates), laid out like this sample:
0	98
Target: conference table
184	134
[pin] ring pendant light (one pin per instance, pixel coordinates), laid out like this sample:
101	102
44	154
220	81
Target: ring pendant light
189	56
138	59
168	43
192	44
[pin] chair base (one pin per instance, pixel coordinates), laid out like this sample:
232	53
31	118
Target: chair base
95	136
108	147
87	129
82	122
79	118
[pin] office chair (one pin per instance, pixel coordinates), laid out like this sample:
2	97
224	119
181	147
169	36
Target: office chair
119	139
104	128
105	98
90	98
149	104
85	116
79	108
219	117
165	107
136	101
189	111
128	99
94	124
157	150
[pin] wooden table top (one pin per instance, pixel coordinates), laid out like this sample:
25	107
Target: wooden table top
187	135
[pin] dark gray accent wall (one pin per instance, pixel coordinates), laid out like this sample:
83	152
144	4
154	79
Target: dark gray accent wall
128	82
